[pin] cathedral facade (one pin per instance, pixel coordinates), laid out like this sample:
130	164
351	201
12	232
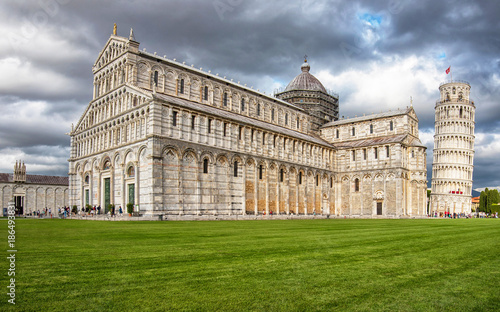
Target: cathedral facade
172	139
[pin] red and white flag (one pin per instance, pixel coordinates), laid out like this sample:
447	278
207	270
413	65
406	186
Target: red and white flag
448	70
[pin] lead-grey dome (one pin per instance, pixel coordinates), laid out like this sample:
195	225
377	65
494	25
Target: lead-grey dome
305	81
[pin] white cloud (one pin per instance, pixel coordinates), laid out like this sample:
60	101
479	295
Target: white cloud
384	85
48	159
486	146
30	78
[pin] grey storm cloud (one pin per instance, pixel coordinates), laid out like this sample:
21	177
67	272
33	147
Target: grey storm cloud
49	47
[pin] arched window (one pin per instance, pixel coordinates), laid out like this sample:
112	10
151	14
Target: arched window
205	93
260	172
317	180
353	155
461	112
155	79
225	99
205	165
356	185
300	177
371	128
391	125
282	173
460	96
338	133
298	123
353	131
131	172
242	104
235	169
181	86
272	114
454	90
174	118
258	109
286	119
87	179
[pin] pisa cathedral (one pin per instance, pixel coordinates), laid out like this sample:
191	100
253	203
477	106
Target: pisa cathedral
176	140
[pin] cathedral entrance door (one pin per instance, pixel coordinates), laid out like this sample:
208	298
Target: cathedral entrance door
379	208
131	193
107	194
87	197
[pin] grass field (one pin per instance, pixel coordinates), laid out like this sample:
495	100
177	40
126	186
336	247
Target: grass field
293	265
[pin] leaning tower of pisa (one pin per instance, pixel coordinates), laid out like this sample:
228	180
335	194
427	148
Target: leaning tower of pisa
453	149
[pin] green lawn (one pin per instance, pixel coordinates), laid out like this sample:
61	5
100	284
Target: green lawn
293	265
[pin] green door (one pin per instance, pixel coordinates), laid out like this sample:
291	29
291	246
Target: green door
131	193
86	197
107	194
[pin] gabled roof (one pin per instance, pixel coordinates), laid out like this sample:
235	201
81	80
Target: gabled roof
399	138
370	117
37	179
239	118
372	141
112	38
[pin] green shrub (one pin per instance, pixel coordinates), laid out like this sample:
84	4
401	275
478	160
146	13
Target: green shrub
130	208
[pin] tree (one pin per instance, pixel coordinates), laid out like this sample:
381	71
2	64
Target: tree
495	196
487	199
482	201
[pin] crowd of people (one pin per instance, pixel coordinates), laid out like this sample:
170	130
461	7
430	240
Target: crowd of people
65	212
455	215
96	210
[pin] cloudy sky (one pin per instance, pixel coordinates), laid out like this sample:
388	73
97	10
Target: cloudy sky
374	54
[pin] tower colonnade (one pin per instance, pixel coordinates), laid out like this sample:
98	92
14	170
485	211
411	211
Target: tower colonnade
453	159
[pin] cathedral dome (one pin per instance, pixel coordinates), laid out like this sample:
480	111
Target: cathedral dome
305	81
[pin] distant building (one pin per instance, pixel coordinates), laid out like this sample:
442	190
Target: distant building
475	203
31	192
453	159
173	139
